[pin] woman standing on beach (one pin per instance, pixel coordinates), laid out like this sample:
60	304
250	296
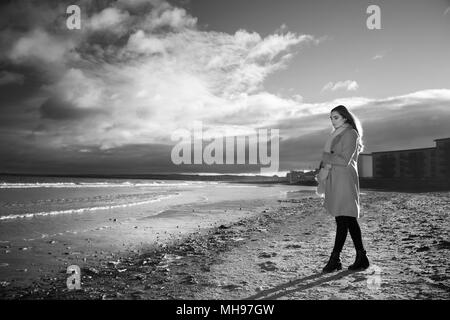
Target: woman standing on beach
339	183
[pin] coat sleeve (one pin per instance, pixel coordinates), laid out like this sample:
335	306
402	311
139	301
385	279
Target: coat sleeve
349	142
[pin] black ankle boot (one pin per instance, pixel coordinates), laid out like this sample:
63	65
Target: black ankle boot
361	261
333	264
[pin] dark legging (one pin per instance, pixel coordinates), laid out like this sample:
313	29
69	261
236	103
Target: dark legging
343	225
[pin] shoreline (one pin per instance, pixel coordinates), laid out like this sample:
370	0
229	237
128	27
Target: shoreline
411	185
37	247
277	252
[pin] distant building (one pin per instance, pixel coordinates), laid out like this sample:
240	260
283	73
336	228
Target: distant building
431	162
301	177
293	176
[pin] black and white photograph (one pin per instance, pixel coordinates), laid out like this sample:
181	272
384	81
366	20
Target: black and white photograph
218	150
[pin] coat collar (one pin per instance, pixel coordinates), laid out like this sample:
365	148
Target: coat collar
338	137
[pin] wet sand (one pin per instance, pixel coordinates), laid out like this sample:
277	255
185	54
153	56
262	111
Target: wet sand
274	250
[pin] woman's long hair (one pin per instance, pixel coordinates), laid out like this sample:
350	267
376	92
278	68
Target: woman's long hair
351	119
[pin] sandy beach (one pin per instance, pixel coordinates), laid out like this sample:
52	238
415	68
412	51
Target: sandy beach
273	249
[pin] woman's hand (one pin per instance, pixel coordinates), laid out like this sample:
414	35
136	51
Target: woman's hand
322	175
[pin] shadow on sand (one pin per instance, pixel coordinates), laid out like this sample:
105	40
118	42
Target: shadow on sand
298	285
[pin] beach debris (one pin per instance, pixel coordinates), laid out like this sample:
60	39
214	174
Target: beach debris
224	227
52	242
4	284
237	239
268	266
293	246
92	271
205	268
267	254
168	258
138	294
421	249
23	249
113	263
232	287
190	279
444	245
139	276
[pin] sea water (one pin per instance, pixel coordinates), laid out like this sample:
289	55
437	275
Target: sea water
38	207
47	222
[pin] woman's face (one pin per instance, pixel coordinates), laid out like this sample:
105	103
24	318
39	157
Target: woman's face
336	119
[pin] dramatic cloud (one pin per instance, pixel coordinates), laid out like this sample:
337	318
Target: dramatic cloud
348	85
11	78
142	74
109	19
39	45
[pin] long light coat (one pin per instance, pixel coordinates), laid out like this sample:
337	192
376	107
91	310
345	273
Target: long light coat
342	184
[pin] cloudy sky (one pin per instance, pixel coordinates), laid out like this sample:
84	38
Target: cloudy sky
107	98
